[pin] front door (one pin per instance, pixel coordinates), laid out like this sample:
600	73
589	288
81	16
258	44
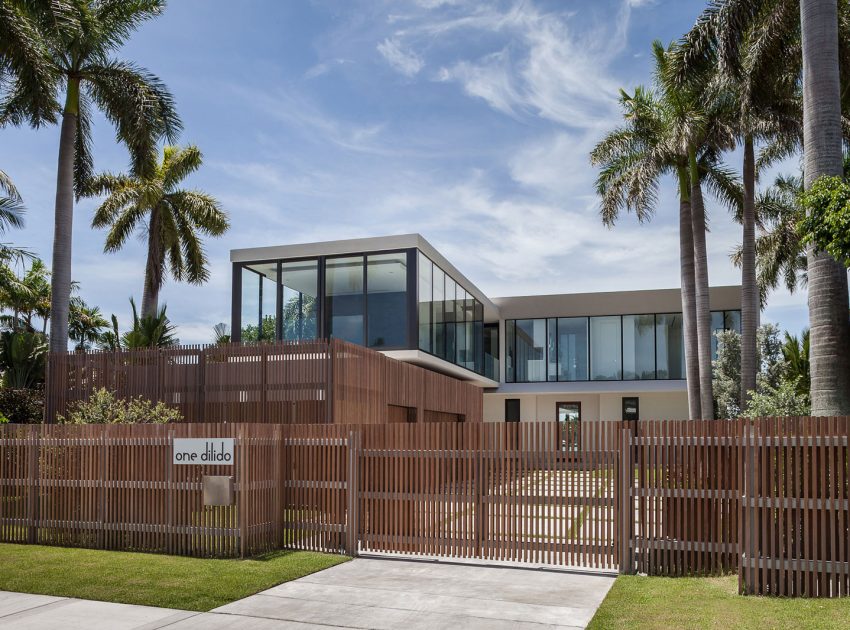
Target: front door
568	416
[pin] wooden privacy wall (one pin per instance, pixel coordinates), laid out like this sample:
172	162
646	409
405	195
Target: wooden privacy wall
114	487
309	382
767	498
795	521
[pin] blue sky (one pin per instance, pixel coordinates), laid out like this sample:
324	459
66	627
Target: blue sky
469	122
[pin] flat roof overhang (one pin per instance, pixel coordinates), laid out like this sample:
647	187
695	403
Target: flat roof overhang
429	361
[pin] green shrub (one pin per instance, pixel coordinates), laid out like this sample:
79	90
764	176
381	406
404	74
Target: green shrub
23	357
22	406
104	408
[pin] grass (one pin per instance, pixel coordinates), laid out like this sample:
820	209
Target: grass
654	602
150	579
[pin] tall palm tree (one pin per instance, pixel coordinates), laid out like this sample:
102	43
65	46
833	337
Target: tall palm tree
761	104
822	143
73	43
802	35
633	158
171	217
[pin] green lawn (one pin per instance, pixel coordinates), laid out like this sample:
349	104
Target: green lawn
635	603
150	579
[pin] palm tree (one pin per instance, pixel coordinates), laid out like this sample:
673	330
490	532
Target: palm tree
802	36
822	144
152	331
665	134
221	334
171	217
86	325
72	47
760	103
111	339
795	351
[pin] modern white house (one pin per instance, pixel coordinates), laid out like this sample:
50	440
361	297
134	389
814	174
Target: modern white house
613	355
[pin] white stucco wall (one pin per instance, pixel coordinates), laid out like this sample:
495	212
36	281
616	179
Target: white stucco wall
541	407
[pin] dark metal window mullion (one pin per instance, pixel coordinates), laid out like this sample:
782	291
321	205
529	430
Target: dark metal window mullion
278	327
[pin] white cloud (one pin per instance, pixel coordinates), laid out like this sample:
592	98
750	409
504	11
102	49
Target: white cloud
406	62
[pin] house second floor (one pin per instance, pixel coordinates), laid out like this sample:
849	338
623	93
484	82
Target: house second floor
400	296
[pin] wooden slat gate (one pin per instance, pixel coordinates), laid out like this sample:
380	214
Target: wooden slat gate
499	491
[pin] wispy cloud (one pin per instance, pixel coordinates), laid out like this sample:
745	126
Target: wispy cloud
406	62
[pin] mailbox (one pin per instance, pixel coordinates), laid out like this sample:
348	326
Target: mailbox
218	490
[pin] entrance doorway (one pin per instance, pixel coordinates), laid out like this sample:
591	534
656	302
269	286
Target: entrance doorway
568	417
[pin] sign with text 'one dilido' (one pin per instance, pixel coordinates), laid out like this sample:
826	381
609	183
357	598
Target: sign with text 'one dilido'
203	451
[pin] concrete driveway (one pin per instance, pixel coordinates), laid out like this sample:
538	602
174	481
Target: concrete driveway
379	593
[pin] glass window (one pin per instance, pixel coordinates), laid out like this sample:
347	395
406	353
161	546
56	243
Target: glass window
460	325
670	346
732	320
300	306
572	349
344	298
530	350
717	324
439	348
491	351
386	283
478	336
425	282
259	302
638	347
605	357
510	338
450	316
552	350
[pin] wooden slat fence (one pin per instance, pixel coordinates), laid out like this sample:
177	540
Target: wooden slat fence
766	498
306	382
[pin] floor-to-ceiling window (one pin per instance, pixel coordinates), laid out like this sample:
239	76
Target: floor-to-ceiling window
572	349
614	347
638	347
669	346
605	347
259	302
425	288
344	298
300	317
451	319
386	286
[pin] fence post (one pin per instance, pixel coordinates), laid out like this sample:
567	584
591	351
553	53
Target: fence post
480	520
171	535
32	495
627	509
243	487
101	488
352	534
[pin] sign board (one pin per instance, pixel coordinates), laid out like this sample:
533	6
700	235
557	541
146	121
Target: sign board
203	451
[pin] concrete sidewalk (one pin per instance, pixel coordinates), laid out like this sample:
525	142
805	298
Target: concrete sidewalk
377	593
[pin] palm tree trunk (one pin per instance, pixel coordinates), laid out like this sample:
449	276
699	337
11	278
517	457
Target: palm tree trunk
689	321
750	303
60	279
828	300
703	305
153	268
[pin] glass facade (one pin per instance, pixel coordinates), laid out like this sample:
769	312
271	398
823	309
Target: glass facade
451	320
259	302
723	320
615	347
300	281
669	346
344	298
386	286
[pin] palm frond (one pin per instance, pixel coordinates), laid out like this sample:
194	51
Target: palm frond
179	163
11	214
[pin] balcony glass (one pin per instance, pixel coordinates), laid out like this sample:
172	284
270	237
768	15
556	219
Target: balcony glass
386	285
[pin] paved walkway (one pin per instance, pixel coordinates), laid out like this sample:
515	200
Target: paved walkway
364	593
